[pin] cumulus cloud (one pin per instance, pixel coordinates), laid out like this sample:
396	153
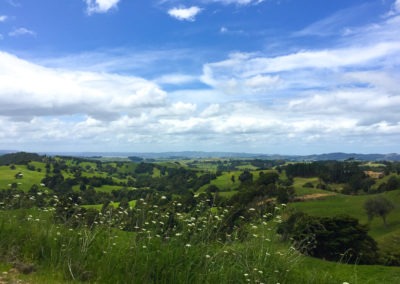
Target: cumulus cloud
21	32
27	89
185	14
100	6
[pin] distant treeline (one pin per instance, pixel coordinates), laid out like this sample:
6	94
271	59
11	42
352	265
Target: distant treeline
20	158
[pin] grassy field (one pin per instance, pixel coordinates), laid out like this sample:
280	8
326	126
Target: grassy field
298	183
353	206
361	274
224	182
7	177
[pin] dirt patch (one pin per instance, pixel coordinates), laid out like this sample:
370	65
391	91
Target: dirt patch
314	196
11	277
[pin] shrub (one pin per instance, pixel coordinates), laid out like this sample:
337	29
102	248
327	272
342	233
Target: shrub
336	238
308	185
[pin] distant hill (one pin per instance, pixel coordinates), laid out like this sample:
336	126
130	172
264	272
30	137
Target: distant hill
233	155
358	157
19	158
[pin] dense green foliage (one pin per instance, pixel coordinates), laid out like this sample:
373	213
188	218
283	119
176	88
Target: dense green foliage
19	158
333	238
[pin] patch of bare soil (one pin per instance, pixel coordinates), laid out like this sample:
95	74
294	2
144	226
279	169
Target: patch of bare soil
12	275
314	196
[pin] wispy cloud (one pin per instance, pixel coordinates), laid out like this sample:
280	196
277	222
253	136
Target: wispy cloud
185	14
22	32
237	2
227	31
100	6
14	3
395	8
3	18
176	79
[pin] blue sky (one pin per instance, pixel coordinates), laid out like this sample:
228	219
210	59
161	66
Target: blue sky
272	76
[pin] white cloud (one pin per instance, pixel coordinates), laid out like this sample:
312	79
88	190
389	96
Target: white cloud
3	18
100	6
238	2
250	65
176	79
395	8
244	74
185	14
28	89
21	32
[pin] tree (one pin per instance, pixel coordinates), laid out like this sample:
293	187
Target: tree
212	188
331	238
392	183
378	206
246	177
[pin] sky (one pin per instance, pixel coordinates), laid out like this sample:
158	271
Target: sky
256	76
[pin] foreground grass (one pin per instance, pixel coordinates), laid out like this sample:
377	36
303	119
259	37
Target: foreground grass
362	274
113	256
107	255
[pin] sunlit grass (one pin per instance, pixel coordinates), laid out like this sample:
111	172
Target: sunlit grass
353	206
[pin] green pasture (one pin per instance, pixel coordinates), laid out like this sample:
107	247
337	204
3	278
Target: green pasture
39	165
247	167
375	165
93	174
156	173
224	182
7	177
353	206
298	183
108	188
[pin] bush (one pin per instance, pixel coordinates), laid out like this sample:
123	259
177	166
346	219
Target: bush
336	238
308	185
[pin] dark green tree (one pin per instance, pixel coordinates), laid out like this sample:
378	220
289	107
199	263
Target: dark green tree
378	206
332	238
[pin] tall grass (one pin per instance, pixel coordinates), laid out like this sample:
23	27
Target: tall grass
191	253
108	255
